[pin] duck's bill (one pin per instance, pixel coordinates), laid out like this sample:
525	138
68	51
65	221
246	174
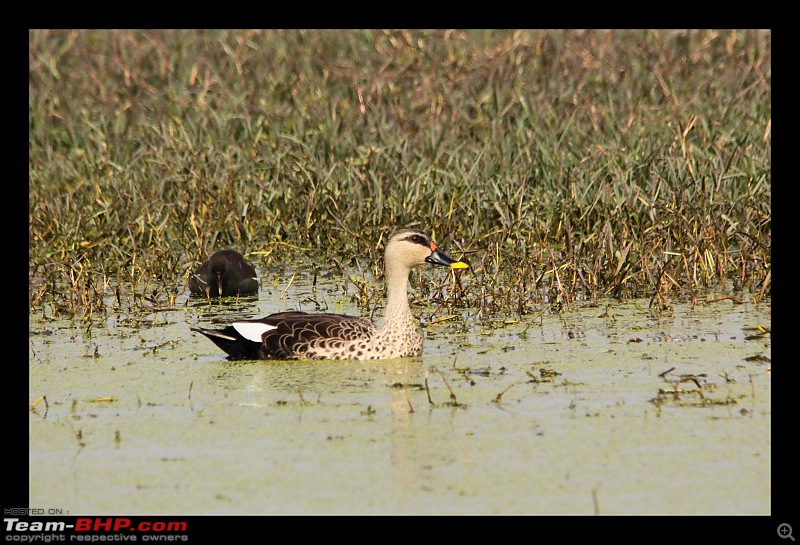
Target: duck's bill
438	257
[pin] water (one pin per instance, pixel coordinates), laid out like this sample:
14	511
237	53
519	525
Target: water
579	413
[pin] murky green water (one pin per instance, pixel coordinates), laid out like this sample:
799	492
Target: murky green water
561	414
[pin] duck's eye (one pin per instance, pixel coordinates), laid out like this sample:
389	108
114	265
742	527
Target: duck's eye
417	239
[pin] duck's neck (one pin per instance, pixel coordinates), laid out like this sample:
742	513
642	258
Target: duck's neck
397	309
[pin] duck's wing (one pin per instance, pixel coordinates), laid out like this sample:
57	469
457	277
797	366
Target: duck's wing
245	282
200	282
290	333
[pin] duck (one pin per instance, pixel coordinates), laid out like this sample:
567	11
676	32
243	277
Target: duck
325	336
225	274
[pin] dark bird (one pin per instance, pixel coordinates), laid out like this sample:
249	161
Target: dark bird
295	335
226	273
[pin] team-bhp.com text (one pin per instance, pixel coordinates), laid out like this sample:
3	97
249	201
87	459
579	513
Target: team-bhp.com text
127	530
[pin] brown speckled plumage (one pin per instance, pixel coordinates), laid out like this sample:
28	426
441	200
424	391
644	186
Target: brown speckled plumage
293	335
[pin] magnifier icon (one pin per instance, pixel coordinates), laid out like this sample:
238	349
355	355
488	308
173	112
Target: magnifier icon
784	530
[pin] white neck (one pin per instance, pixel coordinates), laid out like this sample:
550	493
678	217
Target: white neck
397	295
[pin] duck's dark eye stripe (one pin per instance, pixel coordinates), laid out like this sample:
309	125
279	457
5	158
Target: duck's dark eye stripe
417	239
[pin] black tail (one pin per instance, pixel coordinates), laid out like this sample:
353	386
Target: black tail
229	340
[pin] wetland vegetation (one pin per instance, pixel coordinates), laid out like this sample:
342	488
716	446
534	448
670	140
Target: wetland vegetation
561	165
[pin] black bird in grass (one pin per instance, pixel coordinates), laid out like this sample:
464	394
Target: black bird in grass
226	273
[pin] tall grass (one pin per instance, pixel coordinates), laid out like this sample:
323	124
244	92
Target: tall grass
561	164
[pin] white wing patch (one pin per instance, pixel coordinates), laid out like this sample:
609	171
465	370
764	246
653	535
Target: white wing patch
252	331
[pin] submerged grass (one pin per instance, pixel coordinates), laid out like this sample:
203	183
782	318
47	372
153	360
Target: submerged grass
559	164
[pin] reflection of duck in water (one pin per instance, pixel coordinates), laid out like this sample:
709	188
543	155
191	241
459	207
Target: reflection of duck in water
226	273
293	335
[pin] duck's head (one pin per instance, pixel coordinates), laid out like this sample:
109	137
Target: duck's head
409	248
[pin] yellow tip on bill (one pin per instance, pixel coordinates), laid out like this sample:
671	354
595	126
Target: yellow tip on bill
459	265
